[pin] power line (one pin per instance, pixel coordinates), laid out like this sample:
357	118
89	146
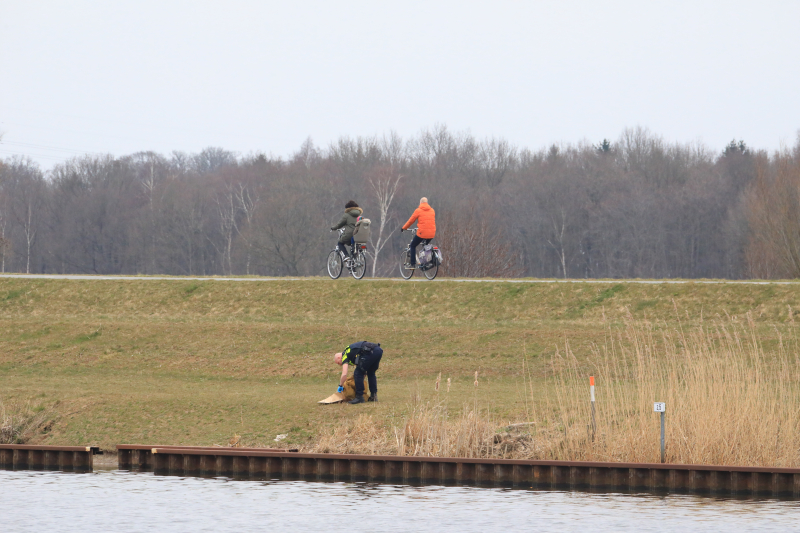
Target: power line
53	148
89	133
34	156
114	123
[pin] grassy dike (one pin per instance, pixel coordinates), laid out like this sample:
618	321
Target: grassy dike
197	362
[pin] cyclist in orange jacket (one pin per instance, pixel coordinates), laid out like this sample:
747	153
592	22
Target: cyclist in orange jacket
425	217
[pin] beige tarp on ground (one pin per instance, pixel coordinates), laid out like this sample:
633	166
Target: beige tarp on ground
336	397
348	394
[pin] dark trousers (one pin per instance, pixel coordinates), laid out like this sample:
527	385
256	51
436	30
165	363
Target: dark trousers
343	248
366	365
414	243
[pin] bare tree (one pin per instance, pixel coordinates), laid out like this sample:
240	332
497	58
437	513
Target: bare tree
247	202
774	216
474	246
496	158
212	159
638	206
26	186
5	243
29	220
227	209
384	182
557	240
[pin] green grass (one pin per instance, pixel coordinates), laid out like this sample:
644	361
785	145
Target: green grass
10	295
195	363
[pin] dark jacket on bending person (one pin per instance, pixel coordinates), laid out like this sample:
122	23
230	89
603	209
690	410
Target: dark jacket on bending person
348	222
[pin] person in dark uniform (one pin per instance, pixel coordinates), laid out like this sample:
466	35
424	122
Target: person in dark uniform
365	357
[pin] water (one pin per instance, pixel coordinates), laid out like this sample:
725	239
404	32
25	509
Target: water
112	500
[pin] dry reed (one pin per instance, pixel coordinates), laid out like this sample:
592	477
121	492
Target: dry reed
427	430
19	422
729	402
430	431
361	435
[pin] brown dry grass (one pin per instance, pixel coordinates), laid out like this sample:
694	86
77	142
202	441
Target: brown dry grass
195	362
22	421
427	430
728	402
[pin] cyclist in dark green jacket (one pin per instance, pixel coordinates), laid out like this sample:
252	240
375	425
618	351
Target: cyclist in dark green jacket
348	222
366	357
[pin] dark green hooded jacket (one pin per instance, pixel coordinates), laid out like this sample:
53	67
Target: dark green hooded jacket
348	221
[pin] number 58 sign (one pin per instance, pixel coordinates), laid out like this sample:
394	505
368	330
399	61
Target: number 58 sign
660	407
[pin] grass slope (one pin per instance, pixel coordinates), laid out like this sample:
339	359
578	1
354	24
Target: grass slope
195	362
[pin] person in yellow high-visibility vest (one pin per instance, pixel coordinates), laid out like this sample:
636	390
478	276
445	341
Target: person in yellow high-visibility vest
365	357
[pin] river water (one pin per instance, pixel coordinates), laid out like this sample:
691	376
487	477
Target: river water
113	500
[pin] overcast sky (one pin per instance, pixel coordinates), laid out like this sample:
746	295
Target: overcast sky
118	77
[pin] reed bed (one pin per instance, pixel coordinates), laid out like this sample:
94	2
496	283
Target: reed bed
360	435
429	429
729	402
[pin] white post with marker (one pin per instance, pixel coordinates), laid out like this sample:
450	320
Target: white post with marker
661	407
591	390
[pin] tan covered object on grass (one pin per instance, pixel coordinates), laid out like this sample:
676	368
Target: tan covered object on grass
336	397
348	394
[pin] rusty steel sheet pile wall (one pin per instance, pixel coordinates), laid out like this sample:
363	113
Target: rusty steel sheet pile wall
262	464
139	457
63	458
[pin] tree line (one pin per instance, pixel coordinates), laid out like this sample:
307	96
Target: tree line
635	207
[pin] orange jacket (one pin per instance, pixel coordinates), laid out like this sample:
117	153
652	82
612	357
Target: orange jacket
425	217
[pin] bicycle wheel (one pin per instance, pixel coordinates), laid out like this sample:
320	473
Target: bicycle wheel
360	266
405	272
334	264
432	271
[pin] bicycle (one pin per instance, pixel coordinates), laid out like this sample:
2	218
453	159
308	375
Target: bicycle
337	260
429	268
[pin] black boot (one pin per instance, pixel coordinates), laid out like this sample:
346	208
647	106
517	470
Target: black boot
357	399
373	397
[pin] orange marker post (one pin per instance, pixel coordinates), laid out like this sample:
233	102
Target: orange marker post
591	391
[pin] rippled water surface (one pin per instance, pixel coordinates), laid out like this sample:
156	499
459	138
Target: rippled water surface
122	501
